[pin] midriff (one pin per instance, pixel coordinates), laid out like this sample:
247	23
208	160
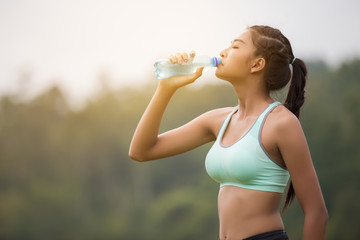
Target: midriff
244	212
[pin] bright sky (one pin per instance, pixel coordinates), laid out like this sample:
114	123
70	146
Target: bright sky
73	42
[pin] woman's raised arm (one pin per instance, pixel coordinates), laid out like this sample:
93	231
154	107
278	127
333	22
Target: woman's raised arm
147	144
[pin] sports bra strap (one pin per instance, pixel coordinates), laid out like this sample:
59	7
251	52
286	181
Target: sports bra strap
259	123
226	122
267	111
254	130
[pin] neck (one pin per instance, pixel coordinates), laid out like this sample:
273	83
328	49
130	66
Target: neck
252	96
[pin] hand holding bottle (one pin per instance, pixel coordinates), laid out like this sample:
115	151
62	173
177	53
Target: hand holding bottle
181	64
179	58
179	80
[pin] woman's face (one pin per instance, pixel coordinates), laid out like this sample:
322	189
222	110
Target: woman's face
236	60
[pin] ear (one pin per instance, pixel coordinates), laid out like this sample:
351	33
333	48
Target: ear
258	65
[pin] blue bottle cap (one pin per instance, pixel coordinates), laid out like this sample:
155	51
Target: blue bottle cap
215	61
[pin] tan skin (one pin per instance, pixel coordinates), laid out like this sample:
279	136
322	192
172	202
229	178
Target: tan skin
242	212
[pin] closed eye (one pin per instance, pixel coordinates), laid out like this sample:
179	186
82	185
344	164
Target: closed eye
237	41
233	45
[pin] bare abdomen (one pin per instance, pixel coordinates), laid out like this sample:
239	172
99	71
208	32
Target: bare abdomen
245	212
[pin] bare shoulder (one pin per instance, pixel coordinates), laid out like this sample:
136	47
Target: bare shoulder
282	119
218	114
214	118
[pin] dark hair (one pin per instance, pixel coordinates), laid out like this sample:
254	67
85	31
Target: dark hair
275	48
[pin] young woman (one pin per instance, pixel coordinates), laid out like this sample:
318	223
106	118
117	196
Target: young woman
259	144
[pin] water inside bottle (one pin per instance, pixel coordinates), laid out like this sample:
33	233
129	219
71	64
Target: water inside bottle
166	70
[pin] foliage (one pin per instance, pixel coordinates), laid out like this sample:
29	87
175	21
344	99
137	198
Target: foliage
66	174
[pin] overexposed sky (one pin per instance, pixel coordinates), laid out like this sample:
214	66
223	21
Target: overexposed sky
73	42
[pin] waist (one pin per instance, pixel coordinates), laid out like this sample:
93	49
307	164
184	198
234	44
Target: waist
244	212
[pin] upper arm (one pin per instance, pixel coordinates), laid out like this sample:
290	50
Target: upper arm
295	152
195	133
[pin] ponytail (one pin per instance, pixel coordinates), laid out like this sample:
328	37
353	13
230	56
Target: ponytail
294	100
296	95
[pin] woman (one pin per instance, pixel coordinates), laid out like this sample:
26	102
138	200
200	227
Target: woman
258	145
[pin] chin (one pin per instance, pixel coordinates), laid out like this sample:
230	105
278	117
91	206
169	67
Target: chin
228	76
220	75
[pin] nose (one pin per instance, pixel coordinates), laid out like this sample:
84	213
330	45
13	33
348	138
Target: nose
222	53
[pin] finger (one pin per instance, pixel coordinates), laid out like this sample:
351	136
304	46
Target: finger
179	58
172	59
185	57
192	54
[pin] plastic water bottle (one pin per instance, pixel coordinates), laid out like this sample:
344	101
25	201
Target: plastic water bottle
164	68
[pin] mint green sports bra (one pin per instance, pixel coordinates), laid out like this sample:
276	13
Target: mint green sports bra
245	163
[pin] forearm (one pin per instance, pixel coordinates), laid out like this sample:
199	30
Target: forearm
315	226
147	131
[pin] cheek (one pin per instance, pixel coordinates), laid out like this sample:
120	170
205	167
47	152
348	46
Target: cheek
239	60
236	66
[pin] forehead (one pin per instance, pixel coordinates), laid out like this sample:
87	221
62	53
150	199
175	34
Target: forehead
245	36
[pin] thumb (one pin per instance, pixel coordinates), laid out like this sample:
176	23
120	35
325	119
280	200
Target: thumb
195	75
198	71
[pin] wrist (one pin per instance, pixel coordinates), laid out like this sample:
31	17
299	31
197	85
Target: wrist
165	89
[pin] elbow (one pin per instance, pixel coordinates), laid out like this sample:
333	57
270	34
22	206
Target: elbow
326	215
321	216
136	157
